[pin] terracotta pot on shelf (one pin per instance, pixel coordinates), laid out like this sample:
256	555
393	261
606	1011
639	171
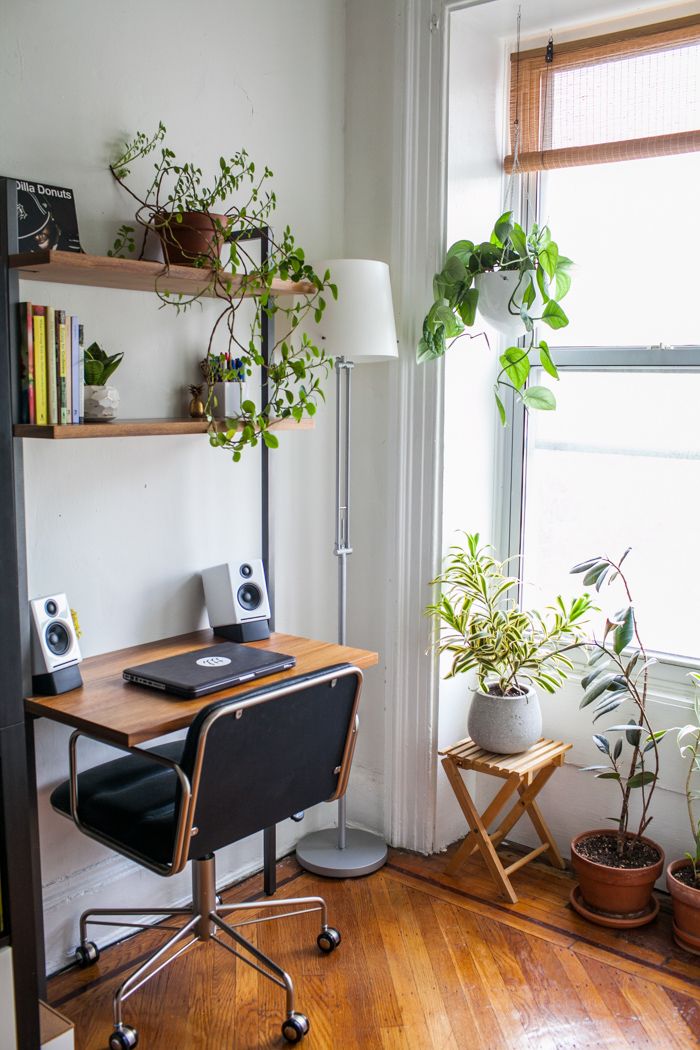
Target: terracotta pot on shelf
185	242
686	908
617	897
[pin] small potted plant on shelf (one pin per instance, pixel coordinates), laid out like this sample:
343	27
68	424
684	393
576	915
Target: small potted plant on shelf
101	400
617	868
511	650
514	280
683	876
212	226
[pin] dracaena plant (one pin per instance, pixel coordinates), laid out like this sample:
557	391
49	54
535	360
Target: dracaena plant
617	674
540	267
238	202
485	630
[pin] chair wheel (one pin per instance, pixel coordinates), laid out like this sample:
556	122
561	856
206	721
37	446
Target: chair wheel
86	954
328	939
295	1027
124	1038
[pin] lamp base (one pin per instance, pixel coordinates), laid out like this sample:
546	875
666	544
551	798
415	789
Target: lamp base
364	853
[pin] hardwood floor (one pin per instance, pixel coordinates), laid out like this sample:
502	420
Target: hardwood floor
427	962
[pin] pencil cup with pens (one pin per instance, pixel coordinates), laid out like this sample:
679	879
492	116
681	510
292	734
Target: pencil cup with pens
227	379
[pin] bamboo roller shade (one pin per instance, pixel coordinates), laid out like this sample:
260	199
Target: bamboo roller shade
590	117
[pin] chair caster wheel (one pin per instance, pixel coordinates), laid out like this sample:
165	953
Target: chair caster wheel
295	1027
86	954
124	1038
328	939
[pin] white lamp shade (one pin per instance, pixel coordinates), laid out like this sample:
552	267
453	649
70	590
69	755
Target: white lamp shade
360	325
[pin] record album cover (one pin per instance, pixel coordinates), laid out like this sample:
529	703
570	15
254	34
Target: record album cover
46	218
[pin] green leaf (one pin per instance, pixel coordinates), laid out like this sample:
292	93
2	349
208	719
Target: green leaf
503	227
593	573
516	363
467	306
624	633
462	250
501	409
618	749
539	397
601	742
610	775
549	257
546	360
584	566
271	440
641	779
597	688
554	316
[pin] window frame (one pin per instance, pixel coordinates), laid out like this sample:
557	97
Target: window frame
671	671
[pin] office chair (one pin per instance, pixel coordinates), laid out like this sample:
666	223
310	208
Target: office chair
246	764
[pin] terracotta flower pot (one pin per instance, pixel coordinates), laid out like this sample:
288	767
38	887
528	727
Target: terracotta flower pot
184	242
622	896
686	909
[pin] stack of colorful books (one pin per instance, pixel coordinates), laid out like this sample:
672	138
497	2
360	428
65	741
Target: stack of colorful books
51	366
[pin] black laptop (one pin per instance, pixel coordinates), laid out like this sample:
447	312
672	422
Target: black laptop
207	670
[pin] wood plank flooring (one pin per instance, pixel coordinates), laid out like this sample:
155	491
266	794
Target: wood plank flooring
428	961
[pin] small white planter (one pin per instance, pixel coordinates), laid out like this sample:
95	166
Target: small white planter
505	725
495	291
101	404
228	400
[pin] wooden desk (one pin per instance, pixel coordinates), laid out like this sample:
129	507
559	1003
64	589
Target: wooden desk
128	714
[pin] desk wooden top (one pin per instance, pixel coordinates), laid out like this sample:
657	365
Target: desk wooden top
128	714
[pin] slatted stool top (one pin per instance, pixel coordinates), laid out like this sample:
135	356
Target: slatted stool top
468	755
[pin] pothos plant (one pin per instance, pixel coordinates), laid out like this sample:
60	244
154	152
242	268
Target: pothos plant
540	268
508	647
238	202
617	673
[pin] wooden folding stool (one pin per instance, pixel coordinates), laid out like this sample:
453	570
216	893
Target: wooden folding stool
525	773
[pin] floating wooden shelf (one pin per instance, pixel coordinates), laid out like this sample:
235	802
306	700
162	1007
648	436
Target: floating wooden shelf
134	428
101	271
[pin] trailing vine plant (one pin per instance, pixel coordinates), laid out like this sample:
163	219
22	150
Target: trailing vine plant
543	280
237	202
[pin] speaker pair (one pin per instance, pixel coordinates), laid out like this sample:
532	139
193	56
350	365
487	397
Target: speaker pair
55	649
237	603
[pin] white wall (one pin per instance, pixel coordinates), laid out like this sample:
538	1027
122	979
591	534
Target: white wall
124	526
572	801
8	1034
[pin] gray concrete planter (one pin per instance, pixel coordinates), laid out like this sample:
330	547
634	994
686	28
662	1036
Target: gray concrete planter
505	725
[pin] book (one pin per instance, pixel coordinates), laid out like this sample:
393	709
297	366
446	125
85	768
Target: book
81	357
26	364
46	218
40	370
51	369
76	370
61	368
69	370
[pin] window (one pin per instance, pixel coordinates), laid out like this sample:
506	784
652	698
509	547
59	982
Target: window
618	463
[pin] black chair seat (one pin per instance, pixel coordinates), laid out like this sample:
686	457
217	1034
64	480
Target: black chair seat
131	800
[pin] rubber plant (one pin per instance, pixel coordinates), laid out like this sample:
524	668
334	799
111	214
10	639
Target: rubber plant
617	673
543	281
236	202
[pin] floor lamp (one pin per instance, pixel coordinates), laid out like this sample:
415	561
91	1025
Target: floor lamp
359	328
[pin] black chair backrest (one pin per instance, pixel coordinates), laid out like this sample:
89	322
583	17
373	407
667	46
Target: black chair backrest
269	755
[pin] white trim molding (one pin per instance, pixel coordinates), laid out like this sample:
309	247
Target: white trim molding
419	233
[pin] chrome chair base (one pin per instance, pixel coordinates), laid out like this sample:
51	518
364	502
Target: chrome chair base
206	923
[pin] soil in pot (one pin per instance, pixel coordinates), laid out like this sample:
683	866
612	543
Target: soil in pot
184	243
613	886
686	905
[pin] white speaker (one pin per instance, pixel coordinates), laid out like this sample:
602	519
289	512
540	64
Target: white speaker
237	601
55	649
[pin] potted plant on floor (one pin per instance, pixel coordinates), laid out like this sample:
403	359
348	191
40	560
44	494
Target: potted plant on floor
510	649
211	225
617	868
683	876
514	280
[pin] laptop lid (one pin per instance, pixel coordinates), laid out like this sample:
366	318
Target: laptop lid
207	670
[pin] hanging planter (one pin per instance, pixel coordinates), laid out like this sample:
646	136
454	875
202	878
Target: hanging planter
513	281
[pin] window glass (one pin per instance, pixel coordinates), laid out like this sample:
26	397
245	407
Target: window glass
632	230
618	465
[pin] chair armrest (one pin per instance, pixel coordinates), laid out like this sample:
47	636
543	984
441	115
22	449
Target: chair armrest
181	844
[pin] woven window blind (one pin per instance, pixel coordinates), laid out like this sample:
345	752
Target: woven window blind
623	96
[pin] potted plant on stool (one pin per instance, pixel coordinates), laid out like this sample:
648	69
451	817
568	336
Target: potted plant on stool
617	868
510	649
683	876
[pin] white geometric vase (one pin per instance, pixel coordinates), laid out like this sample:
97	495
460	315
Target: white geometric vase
101	404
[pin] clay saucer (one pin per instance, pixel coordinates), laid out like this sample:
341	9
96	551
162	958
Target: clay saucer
615	922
